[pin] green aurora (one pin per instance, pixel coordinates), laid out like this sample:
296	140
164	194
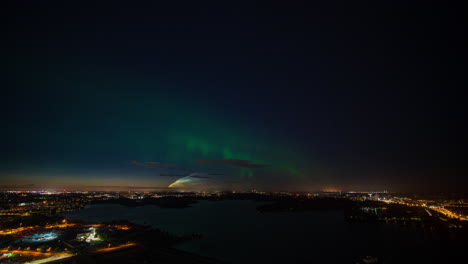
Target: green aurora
116	124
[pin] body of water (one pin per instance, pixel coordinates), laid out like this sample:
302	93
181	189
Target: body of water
235	232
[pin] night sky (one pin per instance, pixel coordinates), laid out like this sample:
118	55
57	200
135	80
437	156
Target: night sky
323	95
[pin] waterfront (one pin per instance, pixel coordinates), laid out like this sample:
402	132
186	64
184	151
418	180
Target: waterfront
234	231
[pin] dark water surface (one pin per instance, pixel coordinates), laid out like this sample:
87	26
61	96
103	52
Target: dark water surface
234	231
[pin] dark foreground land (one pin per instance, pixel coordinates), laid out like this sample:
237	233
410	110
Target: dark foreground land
25	215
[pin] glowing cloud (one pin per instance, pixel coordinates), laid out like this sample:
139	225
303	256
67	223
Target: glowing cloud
189	182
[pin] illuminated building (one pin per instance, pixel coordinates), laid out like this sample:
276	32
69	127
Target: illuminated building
88	237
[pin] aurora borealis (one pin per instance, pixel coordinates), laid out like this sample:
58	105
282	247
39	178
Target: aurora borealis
250	97
108	137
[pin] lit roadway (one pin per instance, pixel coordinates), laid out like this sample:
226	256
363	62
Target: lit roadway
428	212
49	259
23	229
449	213
437	209
64	225
102	250
50	256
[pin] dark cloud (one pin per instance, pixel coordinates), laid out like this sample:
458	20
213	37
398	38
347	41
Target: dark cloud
159	165
194	175
201	177
128	187
187	169
215	174
151	164
232	162
18	186
173	175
